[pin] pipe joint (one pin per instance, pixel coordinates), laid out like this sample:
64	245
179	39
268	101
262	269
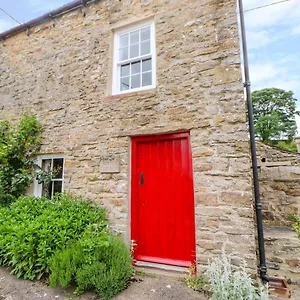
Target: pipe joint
258	206
247	84
263	274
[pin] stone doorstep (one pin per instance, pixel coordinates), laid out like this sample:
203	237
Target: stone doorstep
160	269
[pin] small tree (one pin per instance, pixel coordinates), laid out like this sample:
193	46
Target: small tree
18	148
274	113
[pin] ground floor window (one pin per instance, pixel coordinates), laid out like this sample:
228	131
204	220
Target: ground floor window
50	175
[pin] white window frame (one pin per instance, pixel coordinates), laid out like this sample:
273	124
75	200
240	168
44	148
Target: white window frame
38	187
116	89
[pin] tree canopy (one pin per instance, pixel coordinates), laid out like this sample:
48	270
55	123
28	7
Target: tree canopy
274	112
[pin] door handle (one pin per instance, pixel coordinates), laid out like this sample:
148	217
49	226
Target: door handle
142	179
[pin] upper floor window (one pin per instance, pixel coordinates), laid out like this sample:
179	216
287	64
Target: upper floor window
50	175
134	59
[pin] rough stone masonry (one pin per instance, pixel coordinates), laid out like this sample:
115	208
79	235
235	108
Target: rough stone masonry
61	71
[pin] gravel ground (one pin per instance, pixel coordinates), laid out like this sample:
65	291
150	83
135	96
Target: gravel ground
143	288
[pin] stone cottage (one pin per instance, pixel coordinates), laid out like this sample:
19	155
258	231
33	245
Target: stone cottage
143	112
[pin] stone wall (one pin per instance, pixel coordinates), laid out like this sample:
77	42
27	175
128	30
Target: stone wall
279	177
282	247
61	71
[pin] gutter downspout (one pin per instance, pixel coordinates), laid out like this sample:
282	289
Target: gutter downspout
258	206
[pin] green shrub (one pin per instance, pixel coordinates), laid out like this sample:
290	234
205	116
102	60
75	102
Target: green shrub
289	145
98	261
32	229
228	282
18	148
296	224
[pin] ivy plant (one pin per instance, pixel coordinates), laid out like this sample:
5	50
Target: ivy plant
19	144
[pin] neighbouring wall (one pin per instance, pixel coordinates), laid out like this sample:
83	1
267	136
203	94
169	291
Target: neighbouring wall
279	177
61	71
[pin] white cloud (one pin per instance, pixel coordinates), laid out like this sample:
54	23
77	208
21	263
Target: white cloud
296	30
290	58
288	84
5	25
263	72
275	74
279	14
259	39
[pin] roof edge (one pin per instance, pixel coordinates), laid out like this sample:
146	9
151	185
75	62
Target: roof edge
48	16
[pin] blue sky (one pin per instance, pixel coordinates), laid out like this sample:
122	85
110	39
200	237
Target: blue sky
25	10
273	37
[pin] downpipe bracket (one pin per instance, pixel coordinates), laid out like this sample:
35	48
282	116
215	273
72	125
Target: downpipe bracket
258	206
247	84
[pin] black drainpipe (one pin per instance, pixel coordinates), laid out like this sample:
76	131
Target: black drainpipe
258	206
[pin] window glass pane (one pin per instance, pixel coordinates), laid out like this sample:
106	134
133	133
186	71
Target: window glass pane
134	37
134	50
124	84
125	70
47	189
123	40
146	65
123	54
135	68
58	167
145	48
147	78
135	81
145	34
57	187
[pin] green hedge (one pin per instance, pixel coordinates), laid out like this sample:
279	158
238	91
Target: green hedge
66	237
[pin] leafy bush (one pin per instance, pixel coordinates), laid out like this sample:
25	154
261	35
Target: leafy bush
228	283
296	224
98	261
32	229
18	148
287	145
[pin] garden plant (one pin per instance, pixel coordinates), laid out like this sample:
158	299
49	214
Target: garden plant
19	144
228	282
65	239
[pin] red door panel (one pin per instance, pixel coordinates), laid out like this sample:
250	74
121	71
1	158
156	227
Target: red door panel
162	202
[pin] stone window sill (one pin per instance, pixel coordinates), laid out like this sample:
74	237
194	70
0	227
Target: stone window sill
150	93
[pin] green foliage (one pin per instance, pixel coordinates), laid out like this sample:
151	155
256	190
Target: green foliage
274	113
287	145
32	229
18	148
227	282
98	261
296	224
194	281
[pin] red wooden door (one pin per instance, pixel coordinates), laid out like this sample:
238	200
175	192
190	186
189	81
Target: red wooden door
162	201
